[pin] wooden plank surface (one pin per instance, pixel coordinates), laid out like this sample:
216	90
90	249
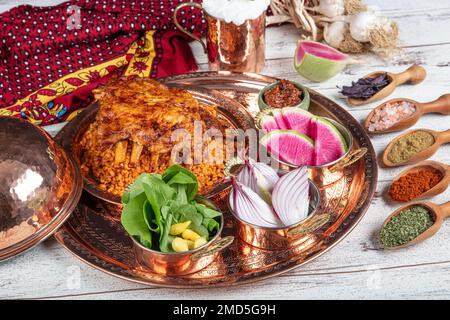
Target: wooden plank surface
353	269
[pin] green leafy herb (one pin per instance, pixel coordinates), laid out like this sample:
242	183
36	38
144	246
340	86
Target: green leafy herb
158	194
149	217
137	187
201	230
177	175
187	212
153	203
207	212
210	224
164	243
133	220
406	226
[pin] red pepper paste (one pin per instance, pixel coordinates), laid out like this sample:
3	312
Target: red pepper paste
285	94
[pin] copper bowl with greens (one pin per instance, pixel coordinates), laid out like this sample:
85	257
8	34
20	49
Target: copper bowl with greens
174	230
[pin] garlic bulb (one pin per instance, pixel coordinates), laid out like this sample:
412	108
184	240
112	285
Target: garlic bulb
369	26
330	8
334	33
373	9
361	24
385	24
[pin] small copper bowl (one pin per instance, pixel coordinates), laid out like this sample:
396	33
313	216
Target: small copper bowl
182	263
304	104
276	238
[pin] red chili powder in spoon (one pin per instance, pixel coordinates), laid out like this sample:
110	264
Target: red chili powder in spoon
413	184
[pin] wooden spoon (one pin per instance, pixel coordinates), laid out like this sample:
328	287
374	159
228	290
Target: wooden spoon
438	212
414	75
440	187
440	105
439	139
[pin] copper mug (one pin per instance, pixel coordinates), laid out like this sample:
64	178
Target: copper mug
230	47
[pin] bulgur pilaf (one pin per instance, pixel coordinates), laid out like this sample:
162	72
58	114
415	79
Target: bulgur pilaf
149	131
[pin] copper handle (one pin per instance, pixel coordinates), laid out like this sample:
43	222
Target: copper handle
350	159
213	248
181	28
230	164
316	223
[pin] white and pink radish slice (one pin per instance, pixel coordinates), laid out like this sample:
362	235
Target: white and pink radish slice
273	120
310	140
298	119
330	145
268	123
279	119
290	146
317	61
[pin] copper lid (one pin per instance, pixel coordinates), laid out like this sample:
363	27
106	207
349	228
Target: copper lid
40	185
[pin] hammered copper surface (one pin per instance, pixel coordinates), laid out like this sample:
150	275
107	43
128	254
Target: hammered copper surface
231	47
94	237
39	186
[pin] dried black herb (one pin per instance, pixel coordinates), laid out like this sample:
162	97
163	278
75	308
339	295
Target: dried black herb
365	88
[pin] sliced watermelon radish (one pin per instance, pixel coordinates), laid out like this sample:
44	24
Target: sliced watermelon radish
298	119
279	119
330	145
267	123
271	119
290	146
317	61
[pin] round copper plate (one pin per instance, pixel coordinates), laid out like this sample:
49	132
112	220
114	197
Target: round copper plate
40	185
91	235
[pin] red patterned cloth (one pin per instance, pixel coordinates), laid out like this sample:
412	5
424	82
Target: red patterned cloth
52	57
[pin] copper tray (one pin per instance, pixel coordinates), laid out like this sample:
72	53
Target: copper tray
91	234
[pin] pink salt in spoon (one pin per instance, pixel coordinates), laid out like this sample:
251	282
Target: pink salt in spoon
440	105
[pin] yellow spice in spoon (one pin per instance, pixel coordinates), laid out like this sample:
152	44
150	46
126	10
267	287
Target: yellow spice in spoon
409	145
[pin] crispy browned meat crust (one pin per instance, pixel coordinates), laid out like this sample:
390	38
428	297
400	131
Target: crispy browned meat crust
147	112
132	134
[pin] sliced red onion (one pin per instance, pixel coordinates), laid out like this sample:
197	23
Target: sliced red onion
250	207
260	177
290	196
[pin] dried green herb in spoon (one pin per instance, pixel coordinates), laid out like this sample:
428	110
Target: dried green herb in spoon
406	226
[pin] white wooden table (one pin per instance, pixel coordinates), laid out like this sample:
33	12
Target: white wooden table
352	269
